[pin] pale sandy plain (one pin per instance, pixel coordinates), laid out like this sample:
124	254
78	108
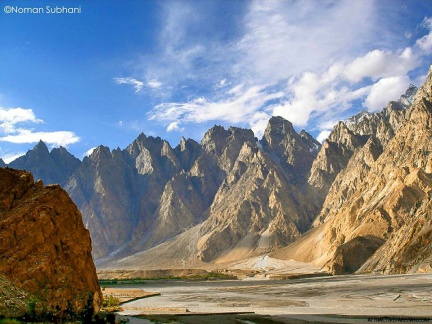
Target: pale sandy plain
306	299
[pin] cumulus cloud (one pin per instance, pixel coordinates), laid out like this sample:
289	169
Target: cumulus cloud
12	131
174	126
384	90
9	117
381	64
322	136
425	43
89	152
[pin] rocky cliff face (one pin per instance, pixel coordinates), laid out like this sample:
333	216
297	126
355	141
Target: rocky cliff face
134	199
374	215
44	248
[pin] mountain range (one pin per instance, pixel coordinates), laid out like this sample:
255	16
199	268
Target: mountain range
360	202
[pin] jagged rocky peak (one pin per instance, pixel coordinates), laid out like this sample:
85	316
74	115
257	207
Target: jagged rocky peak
341	134
54	167
216	139
100	152
294	152
311	142
143	142
368	123
408	98
277	129
357	118
187	144
41	147
187	152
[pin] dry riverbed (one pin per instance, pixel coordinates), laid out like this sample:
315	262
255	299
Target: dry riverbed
338	299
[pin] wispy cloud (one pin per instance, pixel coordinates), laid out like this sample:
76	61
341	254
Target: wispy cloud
240	105
13	120
307	61
137	85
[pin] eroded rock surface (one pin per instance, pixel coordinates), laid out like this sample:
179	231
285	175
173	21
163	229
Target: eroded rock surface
45	249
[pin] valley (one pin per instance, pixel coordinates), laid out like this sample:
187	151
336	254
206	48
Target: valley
338	299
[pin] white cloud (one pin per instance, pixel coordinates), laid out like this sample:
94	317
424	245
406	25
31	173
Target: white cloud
307	61
10	132
322	136
284	39
385	90
9	117
137	85
237	106
89	152
381	64
174	126
59	138
8	158
258	123
425	43
154	84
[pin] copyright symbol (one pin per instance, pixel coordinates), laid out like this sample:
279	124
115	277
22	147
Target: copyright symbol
7	9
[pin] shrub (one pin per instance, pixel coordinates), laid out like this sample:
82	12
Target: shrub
111	301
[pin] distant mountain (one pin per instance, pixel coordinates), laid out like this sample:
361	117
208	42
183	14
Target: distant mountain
346	205
2	164
52	167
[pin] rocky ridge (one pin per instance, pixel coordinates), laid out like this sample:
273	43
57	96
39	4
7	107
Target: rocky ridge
378	203
231	196
53	167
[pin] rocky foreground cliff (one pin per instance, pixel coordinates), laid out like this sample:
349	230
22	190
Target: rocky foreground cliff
45	251
358	202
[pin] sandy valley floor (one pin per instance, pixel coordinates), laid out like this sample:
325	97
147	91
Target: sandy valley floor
396	295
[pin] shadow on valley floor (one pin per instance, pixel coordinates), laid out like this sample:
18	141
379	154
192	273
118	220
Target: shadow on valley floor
267	319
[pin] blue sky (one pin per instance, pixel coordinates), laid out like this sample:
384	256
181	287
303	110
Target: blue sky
176	68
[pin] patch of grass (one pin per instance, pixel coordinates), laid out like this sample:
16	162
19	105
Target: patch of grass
139	280
9	321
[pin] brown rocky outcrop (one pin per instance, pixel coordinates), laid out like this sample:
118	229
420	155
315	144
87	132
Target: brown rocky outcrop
44	248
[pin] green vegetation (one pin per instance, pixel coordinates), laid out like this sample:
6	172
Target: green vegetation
9	321
111	301
138	280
